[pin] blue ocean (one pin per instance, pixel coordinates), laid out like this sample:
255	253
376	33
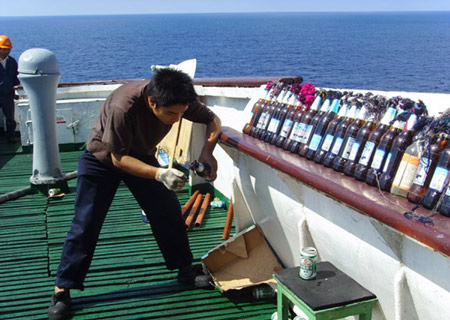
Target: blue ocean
406	51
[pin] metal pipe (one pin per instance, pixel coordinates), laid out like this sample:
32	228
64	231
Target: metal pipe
189	203
202	212
194	209
229	221
28	190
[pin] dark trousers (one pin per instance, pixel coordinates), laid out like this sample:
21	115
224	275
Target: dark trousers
7	105
96	188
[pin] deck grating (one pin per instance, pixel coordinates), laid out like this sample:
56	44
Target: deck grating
128	278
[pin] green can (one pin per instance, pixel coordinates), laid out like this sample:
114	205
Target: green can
308	263
263	292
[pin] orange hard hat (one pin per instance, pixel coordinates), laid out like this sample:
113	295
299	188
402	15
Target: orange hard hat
5	42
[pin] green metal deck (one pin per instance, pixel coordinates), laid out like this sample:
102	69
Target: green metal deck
127	279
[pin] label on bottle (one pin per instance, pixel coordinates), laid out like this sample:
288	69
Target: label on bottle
438	181
307	133
447	192
400	171
273	125
377	159
388	159
297	132
262	119
287	125
411	166
348	147
422	171
367	153
354	151
327	142
266	121
315	141
337	145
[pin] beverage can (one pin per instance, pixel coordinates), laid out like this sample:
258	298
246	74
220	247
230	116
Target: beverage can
217	203
308	263
53	192
263	292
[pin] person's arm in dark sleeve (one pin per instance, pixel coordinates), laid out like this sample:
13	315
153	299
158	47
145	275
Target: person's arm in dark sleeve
212	136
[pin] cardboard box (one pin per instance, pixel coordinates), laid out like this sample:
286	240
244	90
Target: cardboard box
242	261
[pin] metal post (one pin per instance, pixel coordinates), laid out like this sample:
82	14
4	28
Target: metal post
39	75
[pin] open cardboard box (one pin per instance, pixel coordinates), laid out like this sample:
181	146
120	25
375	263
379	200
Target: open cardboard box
244	260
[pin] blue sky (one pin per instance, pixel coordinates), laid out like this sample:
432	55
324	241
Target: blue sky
81	7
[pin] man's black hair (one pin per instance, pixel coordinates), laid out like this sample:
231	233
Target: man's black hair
169	86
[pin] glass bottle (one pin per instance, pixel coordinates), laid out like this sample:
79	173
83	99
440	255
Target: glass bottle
362	166
262	114
357	146
280	112
296	130
428	163
308	150
438	181
199	168
394	157
349	139
325	143
310	126
256	106
268	113
404	176
296	109
444	207
381	152
339	136
300	127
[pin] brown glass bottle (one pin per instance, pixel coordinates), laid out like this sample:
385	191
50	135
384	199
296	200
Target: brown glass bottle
362	166
296	130
428	163
381	152
268	113
438	181
349	139
328	136
394	157
279	114
255	109
310	127
338	137
357	146
444	207
302	125
318	135
288	124
261	115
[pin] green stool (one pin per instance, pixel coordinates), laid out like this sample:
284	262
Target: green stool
332	295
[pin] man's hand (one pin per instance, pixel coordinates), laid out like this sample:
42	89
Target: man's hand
172	178
212	162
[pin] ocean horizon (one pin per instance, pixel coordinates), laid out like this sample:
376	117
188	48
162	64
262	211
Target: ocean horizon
392	51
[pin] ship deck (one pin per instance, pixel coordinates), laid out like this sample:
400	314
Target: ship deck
127	279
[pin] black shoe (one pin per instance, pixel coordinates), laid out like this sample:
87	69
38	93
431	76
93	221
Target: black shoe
193	276
59	308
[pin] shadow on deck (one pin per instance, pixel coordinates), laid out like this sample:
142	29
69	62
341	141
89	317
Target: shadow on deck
127	279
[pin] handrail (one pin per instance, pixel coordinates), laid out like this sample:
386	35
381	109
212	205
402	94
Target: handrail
383	206
217	82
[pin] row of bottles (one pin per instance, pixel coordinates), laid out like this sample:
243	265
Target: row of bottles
372	139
